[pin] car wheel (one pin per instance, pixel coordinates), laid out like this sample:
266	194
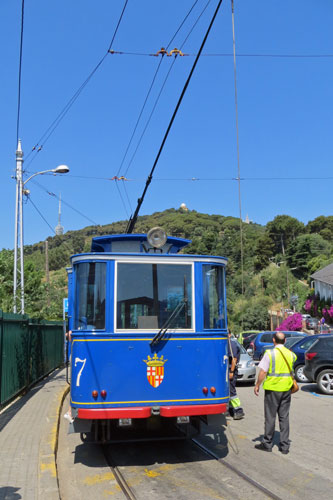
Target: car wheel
300	375
325	381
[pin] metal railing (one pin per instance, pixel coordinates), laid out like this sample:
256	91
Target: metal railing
29	350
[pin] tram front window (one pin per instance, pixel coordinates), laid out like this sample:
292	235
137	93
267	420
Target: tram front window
90	296
147	294
213	296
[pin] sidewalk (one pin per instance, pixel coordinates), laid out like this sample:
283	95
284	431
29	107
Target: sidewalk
28	441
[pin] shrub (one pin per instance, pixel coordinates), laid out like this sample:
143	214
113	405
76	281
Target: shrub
292	323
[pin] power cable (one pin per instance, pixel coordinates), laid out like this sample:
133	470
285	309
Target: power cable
40	213
149	118
49	225
20	75
132	220
198	179
70	103
161	90
277	56
237	142
122	199
126	194
151	86
64	202
140	114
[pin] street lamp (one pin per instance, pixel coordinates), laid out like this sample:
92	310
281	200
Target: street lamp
18	288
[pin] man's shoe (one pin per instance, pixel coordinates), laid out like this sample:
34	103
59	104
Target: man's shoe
262	447
284	452
239	415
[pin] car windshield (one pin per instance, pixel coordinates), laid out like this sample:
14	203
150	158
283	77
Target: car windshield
291	341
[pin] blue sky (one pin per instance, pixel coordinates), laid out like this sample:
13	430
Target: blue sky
284	104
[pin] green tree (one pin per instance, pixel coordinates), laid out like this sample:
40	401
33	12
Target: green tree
303	249
264	252
283	229
321	225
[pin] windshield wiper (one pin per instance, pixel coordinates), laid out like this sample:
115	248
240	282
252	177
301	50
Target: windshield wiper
159	336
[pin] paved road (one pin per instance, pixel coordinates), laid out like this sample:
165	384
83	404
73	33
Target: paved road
303	474
307	471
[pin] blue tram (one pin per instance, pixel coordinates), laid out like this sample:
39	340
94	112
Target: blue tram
149	334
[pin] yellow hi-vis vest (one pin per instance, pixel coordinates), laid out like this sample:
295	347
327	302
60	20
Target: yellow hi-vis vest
278	376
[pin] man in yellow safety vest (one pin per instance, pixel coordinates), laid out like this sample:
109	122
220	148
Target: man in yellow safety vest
274	372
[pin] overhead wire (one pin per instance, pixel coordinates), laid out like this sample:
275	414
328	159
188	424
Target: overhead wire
132	220
226	54
199	179
146	100
37	148
50	193
49	225
20	75
122	199
160	93
237	144
151	86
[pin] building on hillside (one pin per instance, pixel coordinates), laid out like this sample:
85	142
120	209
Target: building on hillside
323	282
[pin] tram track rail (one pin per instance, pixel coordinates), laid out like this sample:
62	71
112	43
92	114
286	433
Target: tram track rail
121	481
239	473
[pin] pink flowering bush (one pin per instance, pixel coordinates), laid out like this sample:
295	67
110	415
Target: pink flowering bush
319	308
328	313
308	305
292	323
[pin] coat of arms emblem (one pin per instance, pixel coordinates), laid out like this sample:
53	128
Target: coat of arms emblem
155	369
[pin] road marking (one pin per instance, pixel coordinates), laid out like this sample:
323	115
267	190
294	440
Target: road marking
99	478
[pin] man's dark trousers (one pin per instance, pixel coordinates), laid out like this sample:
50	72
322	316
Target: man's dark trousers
277	403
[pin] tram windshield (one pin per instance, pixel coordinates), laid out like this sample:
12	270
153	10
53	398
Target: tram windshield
147	294
213	296
90	284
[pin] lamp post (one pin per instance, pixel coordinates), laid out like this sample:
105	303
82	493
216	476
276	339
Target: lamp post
18	281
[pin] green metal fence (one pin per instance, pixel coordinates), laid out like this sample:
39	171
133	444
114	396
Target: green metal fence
29	350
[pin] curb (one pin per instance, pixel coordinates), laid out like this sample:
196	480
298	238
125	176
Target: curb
47	468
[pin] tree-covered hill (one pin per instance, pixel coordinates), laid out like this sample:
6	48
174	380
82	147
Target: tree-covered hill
277	260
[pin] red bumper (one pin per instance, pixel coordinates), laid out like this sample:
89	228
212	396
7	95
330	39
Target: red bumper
145	411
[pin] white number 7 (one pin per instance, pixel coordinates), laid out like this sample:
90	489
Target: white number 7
83	361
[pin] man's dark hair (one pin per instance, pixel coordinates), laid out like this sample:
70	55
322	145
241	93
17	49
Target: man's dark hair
279	337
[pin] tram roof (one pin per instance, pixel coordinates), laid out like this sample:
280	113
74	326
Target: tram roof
134	243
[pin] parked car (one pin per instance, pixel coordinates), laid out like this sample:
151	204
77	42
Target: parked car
299	347
246	366
312	323
319	363
247	340
247	333
306	316
264	340
290	341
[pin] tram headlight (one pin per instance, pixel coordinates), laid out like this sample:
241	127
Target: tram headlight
205	390
94	394
156	237
103	394
213	390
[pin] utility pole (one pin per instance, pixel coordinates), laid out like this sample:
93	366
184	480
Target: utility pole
18	288
47	272
18	281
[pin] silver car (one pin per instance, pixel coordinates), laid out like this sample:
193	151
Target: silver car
246	366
